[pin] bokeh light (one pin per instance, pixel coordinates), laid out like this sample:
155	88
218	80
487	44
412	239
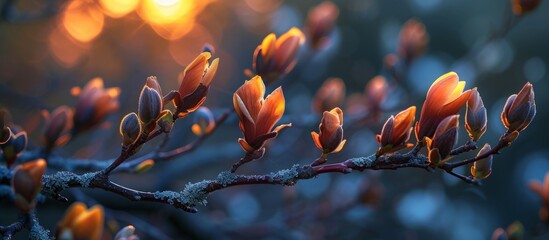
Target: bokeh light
118	8
83	20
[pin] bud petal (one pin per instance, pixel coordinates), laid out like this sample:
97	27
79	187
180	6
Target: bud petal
126	233
475	116
144	166
521	7
330	95
13	148
482	168
27	183
519	110
152	82
150	105
130	129
56	129
445	136
330	136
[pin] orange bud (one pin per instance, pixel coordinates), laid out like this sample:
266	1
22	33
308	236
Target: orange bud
475	116
150	105
444	98
329	138
14	146
81	223
94	105
482	168
320	23
519	110
277	57
444	139
412	40
130	129
258	115
57	127
396	131
330	95
521	7
195	83
27	183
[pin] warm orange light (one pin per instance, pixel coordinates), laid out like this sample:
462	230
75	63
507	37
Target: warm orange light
66	51
118	8
160	12
83	20
184	50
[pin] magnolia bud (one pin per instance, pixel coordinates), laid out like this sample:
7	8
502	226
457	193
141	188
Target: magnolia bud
150	105
80	222
519	110
58	124
330	136
396	131
152	82
330	95
482	168
27	183
204	121
130	129
444	139
475	116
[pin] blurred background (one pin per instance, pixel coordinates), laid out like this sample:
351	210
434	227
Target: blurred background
47	47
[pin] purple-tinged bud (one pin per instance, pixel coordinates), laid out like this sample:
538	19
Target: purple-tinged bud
95	103
152	82
482	168
57	127
475	116
444	139
320	23
204	121
130	129
150	105
330	95
519	110
412	40
376	91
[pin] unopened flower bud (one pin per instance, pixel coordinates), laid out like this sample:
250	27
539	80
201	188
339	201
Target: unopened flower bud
396	131
444	139
376	91
320	23
521	7
126	233
152	82
482	168
204	121
330	136
13	148
519	110
95	103
130	129
27	183
57	127
330	95
150	105
475	116
412	40
80	222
